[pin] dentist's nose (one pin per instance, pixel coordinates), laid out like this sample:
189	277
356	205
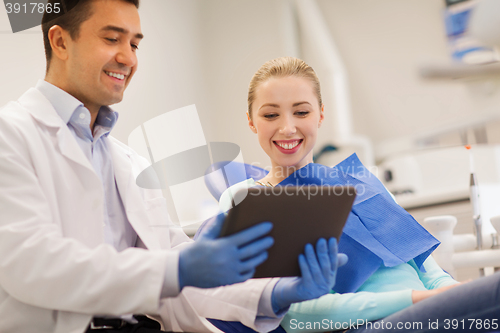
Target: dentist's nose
126	56
287	127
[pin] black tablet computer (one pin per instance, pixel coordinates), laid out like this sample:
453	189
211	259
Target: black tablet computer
300	215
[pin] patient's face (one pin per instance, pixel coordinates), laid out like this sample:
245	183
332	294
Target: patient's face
286	116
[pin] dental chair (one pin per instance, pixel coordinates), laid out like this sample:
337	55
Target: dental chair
222	175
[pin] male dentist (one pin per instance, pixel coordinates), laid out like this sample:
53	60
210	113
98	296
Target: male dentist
82	247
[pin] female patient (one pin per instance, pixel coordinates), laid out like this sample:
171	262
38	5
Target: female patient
390	267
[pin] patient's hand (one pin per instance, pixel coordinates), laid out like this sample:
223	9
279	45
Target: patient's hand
420	295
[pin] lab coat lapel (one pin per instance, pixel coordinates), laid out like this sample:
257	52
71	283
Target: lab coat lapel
135	207
90	232
41	109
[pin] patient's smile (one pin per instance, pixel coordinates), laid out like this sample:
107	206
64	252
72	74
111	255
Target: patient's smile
288	145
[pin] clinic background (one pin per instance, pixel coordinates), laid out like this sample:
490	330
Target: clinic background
205	52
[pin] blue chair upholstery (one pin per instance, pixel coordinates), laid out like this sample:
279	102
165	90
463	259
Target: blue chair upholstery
221	175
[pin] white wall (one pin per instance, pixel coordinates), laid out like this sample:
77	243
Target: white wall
169	74
22	59
205	52
238	37
383	43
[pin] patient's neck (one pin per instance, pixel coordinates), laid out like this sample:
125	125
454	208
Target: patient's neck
279	173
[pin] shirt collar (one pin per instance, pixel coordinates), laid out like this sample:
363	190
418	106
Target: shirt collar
66	105
63	103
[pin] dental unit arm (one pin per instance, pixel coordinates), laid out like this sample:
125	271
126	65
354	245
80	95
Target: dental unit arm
459	251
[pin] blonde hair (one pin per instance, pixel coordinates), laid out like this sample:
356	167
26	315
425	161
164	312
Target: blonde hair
282	67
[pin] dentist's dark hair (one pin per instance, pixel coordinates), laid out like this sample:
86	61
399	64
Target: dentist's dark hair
70	17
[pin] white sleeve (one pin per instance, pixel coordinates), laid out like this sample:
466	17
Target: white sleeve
237	302
42	268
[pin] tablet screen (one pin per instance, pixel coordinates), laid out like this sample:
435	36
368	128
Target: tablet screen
300	215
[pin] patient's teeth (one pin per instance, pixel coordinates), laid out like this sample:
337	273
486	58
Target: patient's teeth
288	145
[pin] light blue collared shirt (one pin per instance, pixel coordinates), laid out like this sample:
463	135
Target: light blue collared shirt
117	229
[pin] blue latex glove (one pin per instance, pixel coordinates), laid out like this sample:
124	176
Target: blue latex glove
318	275
212	262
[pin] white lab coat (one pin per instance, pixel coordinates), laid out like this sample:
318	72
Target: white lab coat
56	272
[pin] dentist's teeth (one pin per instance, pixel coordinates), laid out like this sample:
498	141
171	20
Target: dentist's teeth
116	75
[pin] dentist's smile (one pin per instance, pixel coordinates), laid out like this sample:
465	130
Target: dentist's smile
117	76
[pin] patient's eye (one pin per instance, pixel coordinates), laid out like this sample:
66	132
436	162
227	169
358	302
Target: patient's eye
270	116
302	113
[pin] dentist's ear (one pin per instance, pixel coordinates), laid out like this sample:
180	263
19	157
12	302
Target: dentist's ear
321	115
59	38
250	124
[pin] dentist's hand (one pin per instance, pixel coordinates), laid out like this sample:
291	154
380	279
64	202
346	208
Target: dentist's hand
210	262
318	275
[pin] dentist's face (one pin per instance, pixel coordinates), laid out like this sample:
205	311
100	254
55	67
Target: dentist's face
102	59
286	116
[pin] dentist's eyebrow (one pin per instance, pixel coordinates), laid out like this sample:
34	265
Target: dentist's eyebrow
121	30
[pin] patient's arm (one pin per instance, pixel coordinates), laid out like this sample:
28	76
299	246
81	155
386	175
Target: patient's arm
350	307
420	295
347	308
434	279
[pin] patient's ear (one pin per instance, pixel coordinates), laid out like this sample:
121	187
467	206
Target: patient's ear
250	124
321	115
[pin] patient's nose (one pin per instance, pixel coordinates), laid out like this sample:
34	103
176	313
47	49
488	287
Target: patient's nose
287	127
